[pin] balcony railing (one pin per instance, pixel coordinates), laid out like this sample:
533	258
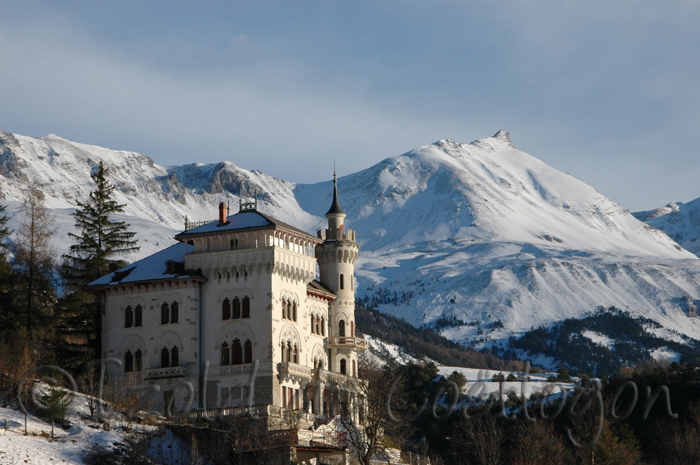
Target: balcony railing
170	372
347	342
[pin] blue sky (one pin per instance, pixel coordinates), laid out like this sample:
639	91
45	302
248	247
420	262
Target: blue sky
607	91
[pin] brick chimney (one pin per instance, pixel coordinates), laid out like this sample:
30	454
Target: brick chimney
222	213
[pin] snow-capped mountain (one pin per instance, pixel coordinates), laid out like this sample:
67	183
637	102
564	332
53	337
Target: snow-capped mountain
681	221
481	239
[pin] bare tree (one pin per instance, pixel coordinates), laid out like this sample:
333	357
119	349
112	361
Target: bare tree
34	252
383	401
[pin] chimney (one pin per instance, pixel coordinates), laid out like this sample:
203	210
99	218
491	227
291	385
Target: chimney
222	213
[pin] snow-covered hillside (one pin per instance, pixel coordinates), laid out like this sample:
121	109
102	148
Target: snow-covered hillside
482	234
681	221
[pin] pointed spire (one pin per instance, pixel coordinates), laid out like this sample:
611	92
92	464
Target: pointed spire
335	206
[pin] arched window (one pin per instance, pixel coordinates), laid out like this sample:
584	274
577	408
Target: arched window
236	352
341	328
138	316
283	352
128	317
226	309
354	374
138	359
352	329
128	362
289	309
225	354
164	357
342	282
313	326
248	351
174	310
323	329
236	308
352	283
294	311
289	351
295	355
164	314
246	307
284	309
315	363
317	326
175	355
343	368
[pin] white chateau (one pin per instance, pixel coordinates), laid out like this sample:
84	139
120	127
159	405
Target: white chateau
236	304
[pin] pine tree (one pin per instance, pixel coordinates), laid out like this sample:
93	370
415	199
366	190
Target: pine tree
4	230
100	243
101	240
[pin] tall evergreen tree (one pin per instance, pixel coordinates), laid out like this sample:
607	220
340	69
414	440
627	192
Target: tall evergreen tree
99	243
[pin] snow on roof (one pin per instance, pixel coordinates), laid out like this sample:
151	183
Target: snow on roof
243	220
152	267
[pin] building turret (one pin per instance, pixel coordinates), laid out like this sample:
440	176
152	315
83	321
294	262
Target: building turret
336	262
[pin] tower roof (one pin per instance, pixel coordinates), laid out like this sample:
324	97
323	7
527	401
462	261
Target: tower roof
335	206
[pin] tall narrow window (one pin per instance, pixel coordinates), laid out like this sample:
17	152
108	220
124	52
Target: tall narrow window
352	283
248	351
341	328
313	326
294	311
164	314
226	309
175	355
283	352
352	329
128	362
138	316
236	308
164	357
342	282
289	351
317	326
138	360
343	368
295	355
174	312
284	309
236	352
354	374
323	330
128	317
284	397
246	307
225	354
289	309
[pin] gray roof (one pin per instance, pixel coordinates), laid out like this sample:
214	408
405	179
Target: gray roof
246	220
166	264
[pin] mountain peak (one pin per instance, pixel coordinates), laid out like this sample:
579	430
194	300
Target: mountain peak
503	136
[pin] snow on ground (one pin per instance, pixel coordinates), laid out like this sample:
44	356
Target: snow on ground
69	446
599	338
665	354
538	382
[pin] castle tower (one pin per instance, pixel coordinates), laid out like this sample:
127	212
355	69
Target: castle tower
336	261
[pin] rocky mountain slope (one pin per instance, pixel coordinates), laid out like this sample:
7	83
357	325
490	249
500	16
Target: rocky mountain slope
681	221
481	240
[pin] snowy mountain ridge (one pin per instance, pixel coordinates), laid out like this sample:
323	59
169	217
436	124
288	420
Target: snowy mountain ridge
479	233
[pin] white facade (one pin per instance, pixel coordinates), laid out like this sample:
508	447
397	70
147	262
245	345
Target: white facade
238	297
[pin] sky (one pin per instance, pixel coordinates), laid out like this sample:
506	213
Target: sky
606	91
